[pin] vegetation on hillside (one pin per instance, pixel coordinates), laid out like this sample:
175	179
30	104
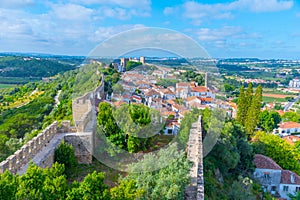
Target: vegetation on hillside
31	67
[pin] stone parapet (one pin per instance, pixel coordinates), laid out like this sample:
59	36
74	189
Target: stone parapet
195	191
22	156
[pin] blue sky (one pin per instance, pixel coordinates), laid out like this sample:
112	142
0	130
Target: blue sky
236	28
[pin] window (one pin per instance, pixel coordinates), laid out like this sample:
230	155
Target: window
273	188
297	189
266	175
285	188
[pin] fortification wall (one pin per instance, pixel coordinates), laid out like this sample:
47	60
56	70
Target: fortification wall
99	94
195	154
83	146
21	157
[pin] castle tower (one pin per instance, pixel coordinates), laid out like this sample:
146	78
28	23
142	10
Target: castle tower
142	60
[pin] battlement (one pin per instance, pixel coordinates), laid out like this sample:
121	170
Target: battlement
22	156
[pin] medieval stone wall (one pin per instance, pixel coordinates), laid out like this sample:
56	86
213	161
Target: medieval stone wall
21	157
195	154
41	148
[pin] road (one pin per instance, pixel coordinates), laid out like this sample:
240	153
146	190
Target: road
290	104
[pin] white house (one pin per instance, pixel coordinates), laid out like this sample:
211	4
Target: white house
201	91
280	183
287	128
295	83
171	128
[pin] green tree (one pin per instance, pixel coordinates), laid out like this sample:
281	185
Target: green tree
249	95
242	189
291	116
126	190
31	184
8	186
108	125
284	154
268	120
163	175
92	188
55	184
118	89
228	87
132	64
254	110
241	106
64	154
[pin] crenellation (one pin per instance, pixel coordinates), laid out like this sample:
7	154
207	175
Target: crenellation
19	157
22	156
4	165
12	163
83	115
26	154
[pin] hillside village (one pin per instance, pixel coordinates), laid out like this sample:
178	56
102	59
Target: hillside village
140	87
176	92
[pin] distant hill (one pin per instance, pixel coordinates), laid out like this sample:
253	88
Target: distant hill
21	67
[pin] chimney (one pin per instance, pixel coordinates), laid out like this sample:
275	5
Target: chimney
292	178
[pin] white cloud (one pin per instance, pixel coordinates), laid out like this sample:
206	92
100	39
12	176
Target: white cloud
71	12
119	13
15	3
199	12
141	4
103	33
120	9
225	37
263	5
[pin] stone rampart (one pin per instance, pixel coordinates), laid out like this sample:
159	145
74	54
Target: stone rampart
21	157
195	191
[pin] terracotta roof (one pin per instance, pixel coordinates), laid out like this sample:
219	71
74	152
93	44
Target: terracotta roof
191	98
232	104
182	112
151	93
288	177
167	113
199	89
182	84
291	139
208	99
166	91
170	101
289	125
264	162
280	112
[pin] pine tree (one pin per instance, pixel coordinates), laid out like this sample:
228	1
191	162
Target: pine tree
241	109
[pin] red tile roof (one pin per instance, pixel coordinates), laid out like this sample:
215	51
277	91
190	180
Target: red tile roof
199	89
291	139
289	125
288	177
182	84
264	162
191	98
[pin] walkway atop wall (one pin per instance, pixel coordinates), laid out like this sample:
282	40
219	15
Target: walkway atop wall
195	191
45	151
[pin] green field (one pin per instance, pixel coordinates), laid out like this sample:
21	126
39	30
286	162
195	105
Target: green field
4	86
272	99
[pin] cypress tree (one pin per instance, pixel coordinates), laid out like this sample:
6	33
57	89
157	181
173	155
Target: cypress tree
248	95
254	110
241	107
